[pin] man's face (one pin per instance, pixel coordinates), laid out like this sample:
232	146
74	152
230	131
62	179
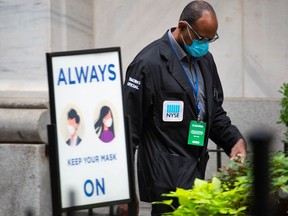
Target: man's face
204	28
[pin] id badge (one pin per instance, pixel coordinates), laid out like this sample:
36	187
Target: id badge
196	135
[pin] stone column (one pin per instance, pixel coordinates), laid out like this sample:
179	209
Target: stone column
28	30
25	179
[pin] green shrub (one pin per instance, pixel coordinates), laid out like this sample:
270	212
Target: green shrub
207	198
284	110
230	191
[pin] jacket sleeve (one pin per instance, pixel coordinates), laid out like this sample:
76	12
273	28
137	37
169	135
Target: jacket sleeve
222	132
137	99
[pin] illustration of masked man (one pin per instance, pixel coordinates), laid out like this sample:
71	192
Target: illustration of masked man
73	124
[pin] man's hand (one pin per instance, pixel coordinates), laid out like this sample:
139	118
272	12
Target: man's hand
239	149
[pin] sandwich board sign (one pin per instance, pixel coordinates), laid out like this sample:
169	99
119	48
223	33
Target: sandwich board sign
88	150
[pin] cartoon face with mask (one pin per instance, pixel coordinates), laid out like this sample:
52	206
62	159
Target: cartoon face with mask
72	127
104	125
107	120
73	124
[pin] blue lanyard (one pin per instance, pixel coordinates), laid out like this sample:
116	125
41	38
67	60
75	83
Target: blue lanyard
194	89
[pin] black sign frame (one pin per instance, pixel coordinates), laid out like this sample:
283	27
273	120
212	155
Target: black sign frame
53	140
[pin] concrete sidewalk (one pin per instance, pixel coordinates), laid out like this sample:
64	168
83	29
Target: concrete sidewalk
144	210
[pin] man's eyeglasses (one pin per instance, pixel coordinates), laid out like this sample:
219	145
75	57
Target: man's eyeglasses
202	39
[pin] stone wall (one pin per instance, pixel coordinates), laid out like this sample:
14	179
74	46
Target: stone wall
249	115
25	176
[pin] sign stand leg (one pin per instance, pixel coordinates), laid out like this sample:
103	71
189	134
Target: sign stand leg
111	210
54	170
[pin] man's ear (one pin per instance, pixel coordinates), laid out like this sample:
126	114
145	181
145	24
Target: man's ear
181	25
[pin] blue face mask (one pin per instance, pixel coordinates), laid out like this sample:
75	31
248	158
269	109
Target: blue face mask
196	49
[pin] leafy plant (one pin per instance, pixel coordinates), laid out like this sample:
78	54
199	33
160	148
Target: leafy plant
207	198
284	109
225	194
279	172
230	191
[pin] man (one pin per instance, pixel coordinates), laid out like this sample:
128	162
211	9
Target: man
174	97
73	123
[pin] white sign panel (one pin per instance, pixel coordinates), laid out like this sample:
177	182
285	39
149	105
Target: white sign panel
86	93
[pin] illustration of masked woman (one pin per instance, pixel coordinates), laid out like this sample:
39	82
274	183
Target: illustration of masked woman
105	125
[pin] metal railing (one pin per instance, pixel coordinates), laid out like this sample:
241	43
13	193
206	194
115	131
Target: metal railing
218	152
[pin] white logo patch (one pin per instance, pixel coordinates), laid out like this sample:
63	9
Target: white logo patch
173	111
133	83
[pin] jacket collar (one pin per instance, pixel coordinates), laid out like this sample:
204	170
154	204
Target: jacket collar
207	77
174	67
